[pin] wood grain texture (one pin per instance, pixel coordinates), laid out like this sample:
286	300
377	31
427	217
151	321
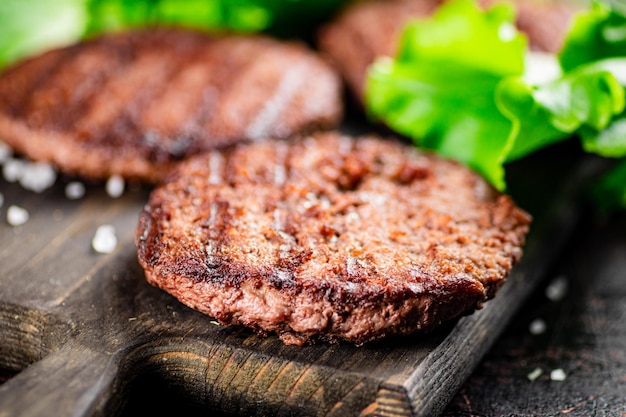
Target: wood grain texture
85	329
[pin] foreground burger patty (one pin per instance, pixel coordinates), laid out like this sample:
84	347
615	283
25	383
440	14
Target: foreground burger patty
329	237
137	102
369	29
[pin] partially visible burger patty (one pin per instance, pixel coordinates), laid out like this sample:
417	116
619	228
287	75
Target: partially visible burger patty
135	103
329	237
369	29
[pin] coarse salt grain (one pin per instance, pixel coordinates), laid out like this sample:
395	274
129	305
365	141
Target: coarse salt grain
5	152
558	375
37	176
104	240
115	186
75	190
16	215
557	289
537	326
534	374
13	169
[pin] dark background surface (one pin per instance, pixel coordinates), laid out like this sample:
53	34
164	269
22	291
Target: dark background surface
585	336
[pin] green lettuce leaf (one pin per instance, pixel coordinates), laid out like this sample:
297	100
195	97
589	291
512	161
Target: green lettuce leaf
440	89
598	39
31	26
280	17
596	34
464	85
28	27
586	99
611	141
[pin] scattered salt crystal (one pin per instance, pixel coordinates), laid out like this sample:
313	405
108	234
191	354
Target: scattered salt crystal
13	169
37	176
558	375
16	215
557	289
534	374
115	186
5	152
537	326
75	190
104	241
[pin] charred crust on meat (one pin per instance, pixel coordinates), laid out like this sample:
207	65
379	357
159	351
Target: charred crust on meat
329	238
135	103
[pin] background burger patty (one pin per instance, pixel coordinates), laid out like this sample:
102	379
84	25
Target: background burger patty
329	237
367	30
134	103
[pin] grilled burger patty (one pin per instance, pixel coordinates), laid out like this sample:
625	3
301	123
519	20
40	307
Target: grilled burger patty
137	102
329	237
367	30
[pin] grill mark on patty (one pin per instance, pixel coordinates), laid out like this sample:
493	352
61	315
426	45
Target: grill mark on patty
113	117
216	168
264	83
258	259
226	69
217	225
228	119
25	88
120	54
282	162
221	64
96	66
160	96
269	113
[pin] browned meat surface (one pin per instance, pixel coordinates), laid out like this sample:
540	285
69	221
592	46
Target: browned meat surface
329	237
135	103
370	29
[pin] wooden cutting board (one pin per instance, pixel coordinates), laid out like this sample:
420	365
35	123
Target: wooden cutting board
80	328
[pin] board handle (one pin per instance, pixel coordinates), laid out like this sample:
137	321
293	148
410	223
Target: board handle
73	381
